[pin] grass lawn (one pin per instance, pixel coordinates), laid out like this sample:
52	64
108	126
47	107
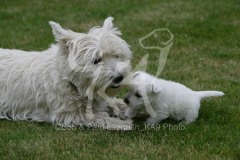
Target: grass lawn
205	55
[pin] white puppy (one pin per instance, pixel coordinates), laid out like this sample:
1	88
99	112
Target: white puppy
66	83
164	99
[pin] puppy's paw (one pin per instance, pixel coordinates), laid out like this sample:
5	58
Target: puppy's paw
151	120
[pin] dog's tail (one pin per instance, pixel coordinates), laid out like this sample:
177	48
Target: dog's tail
206	94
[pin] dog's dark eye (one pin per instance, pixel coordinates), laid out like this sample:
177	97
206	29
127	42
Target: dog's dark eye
96	61
117	57
138	95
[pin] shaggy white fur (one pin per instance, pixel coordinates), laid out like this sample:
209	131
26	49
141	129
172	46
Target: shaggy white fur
58	84
163	99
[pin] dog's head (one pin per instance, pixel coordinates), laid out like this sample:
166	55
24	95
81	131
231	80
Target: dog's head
142	88
100	56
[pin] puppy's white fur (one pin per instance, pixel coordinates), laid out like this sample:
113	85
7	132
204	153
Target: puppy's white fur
55	85
167	99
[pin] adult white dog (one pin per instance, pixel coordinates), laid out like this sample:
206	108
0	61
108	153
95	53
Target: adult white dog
163	99
66	83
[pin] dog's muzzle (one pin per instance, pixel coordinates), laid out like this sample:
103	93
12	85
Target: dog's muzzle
117	80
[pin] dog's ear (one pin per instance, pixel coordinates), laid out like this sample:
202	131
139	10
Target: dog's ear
61	35
156	89
109	27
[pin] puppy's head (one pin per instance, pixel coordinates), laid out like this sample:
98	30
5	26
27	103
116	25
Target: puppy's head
141	88
100	56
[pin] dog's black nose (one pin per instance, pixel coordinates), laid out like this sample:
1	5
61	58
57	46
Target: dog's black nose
126	100
118	79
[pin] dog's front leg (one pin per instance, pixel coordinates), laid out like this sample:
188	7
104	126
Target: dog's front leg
68	113
89	94
89	110
110	101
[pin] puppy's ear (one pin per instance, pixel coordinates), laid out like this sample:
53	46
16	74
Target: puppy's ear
109	27
136	74
156	89
61	35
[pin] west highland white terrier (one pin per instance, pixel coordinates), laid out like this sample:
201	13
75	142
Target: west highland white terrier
163	99
67	84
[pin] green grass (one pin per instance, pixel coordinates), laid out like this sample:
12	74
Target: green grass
205	55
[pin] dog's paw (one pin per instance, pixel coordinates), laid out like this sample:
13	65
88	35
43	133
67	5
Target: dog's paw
122	115
116	112
120	103
90	116
130	113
